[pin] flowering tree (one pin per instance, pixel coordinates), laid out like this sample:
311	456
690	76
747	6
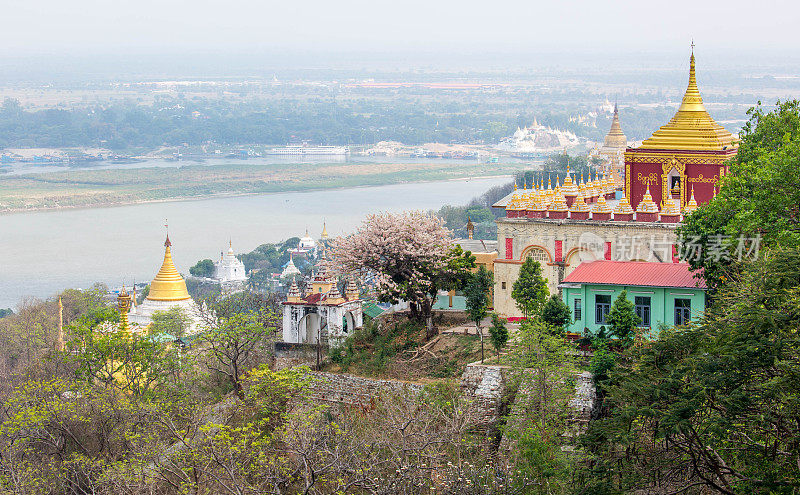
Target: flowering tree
411	257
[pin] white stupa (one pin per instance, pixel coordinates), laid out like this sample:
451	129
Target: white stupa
290	270
167	290
229	268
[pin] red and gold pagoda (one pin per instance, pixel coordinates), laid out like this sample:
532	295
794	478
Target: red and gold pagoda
685	155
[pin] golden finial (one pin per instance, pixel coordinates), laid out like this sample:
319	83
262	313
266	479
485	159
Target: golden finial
124	305
692	204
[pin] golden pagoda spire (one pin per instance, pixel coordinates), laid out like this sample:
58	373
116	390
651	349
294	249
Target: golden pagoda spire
168	284
647	205
602	206
623	207
579	205
692	204
691	128
124	305
324	235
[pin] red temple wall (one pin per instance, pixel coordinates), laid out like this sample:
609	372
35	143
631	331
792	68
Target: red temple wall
703	178
641	173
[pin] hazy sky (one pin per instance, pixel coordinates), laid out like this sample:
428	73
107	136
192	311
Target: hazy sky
101	26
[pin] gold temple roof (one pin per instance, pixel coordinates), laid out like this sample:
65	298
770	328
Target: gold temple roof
692	128
168	284
615	138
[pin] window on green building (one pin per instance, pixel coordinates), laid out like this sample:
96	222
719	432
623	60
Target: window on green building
578	313
642	305
683	311
602	305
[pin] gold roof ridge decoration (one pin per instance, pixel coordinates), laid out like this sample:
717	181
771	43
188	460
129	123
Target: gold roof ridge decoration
168	285
691	128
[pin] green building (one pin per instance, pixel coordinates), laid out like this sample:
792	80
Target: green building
661	293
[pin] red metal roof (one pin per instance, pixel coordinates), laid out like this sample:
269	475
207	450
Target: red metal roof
643	273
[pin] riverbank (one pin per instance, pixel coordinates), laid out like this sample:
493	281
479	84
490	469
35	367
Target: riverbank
105	188
54	250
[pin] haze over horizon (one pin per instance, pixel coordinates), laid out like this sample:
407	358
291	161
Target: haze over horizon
445	33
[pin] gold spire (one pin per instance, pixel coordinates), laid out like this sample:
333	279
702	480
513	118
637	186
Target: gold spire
692	128
324	235
124	305
647	205
168	284
615	137
602	207
570	188
623	207
579	205
669	208
692	204
559	202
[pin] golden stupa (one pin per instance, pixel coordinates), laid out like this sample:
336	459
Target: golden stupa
647	205
692	128
615	138
168	284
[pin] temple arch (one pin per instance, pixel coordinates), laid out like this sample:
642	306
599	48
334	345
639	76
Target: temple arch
538	253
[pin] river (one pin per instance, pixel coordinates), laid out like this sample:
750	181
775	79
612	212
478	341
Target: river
48	251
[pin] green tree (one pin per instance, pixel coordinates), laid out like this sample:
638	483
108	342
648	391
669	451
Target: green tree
235	344
203	268
131	362
758	198
544	376
623	319
556	313
476	291
717	401
173	322
498	334
530	289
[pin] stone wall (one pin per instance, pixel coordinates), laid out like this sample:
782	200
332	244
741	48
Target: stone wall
289	355
356	390
487	386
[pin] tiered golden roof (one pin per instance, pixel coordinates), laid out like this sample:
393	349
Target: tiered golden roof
351	290
647	205
623	207
603	207
168	284
692	128
615	138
